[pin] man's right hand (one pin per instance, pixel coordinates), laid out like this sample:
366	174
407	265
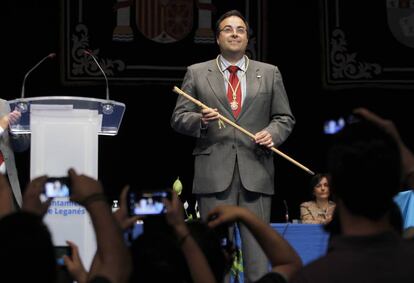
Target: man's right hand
209	114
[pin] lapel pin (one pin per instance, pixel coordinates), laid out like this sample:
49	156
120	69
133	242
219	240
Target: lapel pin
259	76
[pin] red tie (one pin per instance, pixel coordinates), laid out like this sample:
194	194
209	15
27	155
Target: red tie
1	158
235	86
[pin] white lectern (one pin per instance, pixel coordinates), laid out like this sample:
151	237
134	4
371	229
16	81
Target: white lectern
64	134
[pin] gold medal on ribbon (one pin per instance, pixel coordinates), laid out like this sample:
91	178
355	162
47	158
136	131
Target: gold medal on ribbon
234	105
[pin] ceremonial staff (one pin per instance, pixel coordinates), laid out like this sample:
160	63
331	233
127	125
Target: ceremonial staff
231	123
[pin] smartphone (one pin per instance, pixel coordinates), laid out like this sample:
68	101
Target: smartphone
333	126
222	231
57	187
144	203
60	251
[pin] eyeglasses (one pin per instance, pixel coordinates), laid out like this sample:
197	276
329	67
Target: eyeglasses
229	30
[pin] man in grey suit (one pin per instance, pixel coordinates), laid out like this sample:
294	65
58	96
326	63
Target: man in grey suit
8	144
230	167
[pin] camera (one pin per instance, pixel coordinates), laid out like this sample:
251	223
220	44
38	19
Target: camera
60	251
57	187
145	203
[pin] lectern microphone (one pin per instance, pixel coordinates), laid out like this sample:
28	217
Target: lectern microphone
100	68
108	107
50	56
286	211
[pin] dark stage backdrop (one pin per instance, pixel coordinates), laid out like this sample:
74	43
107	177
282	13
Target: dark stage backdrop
368	43
295	35
147	40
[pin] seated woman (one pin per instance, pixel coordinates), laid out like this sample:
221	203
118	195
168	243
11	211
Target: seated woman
319	210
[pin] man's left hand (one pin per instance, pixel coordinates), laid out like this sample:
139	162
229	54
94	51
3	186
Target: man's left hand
264	138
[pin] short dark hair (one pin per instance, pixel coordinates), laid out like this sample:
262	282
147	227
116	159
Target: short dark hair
316	179
25	239
157	257
365	168
209	242
231	13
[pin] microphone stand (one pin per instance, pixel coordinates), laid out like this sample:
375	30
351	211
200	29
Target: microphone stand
108	107
22	105
287	211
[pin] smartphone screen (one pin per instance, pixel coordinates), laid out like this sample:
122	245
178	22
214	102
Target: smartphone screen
331	127
147	202
57	187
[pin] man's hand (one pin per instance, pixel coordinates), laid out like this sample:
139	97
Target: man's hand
223	214
14	117
387	125
74	264
208	115
31	197
264	138
10	119
175	211
121	215
83	186
4	122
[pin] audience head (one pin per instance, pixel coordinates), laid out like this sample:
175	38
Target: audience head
365	169
319	186
219	257
27	252
396	219
158	258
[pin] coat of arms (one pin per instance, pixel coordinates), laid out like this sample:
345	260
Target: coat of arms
163	21
400	14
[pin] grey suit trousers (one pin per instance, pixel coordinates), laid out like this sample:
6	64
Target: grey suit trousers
255	262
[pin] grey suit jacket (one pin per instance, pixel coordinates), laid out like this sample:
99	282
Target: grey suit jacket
266	106
9	144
